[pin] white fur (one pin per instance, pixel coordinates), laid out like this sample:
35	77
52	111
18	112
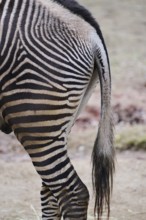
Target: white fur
74	22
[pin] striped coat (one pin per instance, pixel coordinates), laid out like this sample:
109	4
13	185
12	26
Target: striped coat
52	53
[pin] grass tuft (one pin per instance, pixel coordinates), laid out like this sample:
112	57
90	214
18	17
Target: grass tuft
131	137
126	137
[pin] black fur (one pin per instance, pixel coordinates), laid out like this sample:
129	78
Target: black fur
102	176
6	128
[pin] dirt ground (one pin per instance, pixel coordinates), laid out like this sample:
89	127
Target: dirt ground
124	27
20	185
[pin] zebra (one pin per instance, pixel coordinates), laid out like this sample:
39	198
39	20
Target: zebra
52	55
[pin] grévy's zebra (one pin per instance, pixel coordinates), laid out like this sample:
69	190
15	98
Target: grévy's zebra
52	54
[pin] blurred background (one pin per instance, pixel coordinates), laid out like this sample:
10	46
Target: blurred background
123	24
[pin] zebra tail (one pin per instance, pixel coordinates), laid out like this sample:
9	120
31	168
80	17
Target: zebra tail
103	151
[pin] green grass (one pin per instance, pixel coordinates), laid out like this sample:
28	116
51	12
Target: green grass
131	137
126	137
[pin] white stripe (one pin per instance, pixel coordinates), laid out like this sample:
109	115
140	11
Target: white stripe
3	18
12	63
49	146
23	53
36	101
39	112
47	123
10	26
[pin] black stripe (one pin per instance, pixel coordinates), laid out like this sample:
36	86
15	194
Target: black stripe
31	106
59	177
37	118
37	146
49	160
34	96
14	24
40	130
58	167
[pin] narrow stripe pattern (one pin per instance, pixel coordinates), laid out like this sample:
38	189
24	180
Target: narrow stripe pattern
45	69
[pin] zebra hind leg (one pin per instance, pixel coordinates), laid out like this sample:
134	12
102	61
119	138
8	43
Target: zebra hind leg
69	191
50	207
48	152
74	201
63	183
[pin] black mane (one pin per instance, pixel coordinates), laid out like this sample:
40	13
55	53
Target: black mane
76	8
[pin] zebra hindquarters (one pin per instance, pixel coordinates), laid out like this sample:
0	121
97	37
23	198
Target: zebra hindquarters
41	125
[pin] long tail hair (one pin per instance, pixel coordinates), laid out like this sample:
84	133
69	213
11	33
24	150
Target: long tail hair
103	151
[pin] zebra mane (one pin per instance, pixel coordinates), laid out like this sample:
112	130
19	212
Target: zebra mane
74	7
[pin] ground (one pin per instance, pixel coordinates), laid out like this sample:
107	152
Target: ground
124	27
20	185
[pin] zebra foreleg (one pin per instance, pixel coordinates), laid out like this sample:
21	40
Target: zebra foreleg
50	207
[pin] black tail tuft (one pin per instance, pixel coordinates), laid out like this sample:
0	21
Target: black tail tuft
102	175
